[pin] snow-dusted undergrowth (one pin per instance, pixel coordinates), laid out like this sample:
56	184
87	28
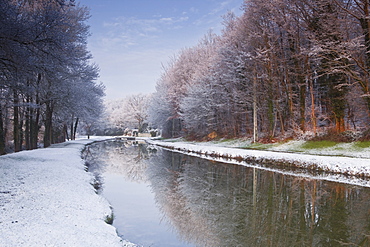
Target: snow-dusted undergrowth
46	199
296	146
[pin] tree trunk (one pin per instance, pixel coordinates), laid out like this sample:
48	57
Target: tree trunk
75	129
66	131
21	134
313	112
16	128
365	25
2	134
302	108
34	127
27	133
339	124
255	128
368	103
48	124
270	115
72	128
282	125
35	119
173	128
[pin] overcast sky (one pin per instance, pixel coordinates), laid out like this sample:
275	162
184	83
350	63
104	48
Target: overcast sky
131	39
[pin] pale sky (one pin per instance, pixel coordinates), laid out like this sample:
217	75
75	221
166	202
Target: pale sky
131	39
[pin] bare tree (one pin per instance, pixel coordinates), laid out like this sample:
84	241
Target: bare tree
283	68
43	54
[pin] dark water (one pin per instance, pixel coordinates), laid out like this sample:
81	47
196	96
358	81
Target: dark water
169	199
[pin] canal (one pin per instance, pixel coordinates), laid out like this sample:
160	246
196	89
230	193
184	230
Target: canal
162	198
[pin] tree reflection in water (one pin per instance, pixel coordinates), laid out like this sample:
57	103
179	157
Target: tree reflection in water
214	204
125	158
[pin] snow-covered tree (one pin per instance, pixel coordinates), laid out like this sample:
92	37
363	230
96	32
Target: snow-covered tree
43	56
282	68
130	112
137	109
182	72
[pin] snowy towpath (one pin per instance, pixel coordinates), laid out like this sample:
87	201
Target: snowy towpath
46	199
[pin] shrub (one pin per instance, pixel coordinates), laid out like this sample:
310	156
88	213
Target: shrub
109	218
333	136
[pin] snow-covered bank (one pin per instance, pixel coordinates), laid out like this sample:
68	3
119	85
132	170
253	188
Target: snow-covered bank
334	164
46	199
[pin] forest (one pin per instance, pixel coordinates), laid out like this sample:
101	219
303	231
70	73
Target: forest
47	80
283	69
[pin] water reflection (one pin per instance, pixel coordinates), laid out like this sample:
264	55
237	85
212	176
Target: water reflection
123	170
125	158
214	204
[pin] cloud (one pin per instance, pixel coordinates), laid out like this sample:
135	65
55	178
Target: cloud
130	50
212	18
131	31
166	19
194	10
219	8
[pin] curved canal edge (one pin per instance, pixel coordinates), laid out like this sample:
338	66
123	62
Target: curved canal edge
46	199
346	166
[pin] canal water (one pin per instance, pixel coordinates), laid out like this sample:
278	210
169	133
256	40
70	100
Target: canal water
162	198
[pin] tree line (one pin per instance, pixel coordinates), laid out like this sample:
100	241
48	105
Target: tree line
47	81
121	115
284	68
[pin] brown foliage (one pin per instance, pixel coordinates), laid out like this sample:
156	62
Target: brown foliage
333	135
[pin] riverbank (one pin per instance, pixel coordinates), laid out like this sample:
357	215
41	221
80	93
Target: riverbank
345	159
46	199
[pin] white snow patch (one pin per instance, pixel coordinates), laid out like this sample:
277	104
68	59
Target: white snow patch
46	199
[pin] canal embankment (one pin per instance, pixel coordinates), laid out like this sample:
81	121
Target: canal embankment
335	161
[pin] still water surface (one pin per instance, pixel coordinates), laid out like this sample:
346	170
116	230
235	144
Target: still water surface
161	198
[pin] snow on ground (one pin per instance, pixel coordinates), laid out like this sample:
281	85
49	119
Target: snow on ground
359	167
294	146
46	199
